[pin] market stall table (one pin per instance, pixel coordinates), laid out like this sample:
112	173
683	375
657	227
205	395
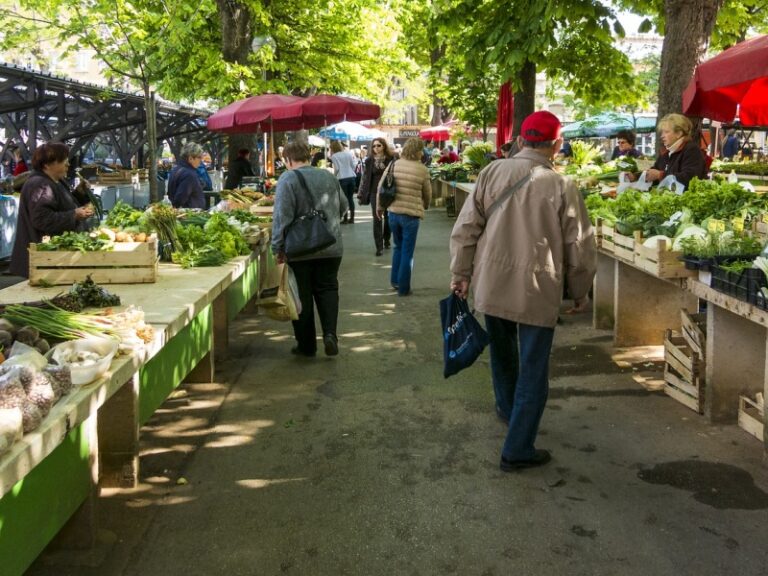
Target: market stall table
51	477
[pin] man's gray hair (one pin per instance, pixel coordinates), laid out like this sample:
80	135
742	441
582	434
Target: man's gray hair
539	145
191	150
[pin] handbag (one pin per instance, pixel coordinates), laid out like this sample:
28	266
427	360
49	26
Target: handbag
309	232
463	337
387	188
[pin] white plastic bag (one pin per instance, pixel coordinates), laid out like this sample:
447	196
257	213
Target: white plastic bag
672	183
626	184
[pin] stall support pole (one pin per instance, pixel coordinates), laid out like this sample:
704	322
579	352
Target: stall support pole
118	429
736	362
603	293
645	306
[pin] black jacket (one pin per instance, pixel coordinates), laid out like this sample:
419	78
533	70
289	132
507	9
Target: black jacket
46	208
369	183
184	188
685	164
239	169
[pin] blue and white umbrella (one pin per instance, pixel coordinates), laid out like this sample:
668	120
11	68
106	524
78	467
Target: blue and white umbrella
350	131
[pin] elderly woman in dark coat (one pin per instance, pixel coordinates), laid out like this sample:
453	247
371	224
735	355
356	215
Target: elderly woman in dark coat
184	188
47	206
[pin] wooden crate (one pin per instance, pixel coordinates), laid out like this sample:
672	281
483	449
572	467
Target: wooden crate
683	372
624	247
751	418
118	177
262	210
660	262
694	330
128	263
604	236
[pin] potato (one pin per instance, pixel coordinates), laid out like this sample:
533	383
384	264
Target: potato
121	237
140	237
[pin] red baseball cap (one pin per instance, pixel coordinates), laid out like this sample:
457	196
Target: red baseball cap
540	126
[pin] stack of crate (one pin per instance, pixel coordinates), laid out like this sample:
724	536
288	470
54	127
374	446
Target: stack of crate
685	366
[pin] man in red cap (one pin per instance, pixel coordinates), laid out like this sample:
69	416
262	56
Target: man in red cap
521	234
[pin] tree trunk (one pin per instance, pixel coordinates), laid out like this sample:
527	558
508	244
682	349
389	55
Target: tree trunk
689	25
525	96
149	103
236	39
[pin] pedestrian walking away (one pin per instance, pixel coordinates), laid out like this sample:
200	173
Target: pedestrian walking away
377	161
412	197
522	232
344	163
316	273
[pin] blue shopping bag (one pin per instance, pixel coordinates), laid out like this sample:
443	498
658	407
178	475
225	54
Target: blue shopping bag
463	337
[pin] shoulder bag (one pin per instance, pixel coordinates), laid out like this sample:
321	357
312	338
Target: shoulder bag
387	188
308	233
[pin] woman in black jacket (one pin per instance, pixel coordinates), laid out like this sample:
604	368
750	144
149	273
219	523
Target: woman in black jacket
379	157
683	159
47	206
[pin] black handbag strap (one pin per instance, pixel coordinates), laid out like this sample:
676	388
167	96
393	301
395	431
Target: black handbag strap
303	185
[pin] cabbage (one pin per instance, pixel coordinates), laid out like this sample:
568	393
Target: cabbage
686	231
652	242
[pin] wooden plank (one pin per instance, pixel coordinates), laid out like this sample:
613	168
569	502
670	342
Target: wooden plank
683	398
689	388
693	329
733	305
128	263
750	417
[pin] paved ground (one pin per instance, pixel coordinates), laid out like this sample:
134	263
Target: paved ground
372	464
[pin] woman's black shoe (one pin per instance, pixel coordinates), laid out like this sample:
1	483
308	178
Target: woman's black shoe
379	252
298	352
331	344
540	458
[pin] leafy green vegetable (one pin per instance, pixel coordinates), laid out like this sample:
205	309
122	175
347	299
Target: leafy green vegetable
80	241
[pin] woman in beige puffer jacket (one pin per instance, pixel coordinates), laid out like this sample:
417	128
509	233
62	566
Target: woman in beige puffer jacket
412	197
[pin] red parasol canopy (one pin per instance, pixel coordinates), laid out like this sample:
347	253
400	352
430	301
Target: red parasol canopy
323	109
280	112
436	133
262	111
735	77
505	116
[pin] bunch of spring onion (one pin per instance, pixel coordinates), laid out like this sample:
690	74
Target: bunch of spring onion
162	219
59	323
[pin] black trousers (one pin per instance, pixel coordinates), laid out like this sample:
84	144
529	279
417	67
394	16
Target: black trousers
318	282
348	187
381	232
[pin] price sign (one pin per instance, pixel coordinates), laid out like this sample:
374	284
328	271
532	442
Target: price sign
737	224
765	218
715	225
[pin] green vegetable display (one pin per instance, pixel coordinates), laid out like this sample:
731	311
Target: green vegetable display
80	241
124	216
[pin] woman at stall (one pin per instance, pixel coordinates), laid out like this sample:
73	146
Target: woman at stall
344	163
377	161
683	159
184	188
412	198
47	206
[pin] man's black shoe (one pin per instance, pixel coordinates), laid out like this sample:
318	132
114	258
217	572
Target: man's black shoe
298	352
540	458
331	344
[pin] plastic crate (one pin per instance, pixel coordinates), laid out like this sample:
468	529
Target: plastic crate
743	286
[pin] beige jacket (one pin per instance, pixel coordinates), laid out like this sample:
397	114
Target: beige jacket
518	258
414	189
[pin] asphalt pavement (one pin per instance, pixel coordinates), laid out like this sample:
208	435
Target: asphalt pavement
371	463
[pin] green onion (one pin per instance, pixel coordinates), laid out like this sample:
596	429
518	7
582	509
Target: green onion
59	323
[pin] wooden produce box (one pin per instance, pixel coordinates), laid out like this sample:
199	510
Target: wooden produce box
262	210
127	263
660	262
751	417
112	178
683	372
609	240
694	330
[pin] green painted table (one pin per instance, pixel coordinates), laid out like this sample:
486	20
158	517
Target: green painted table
49	481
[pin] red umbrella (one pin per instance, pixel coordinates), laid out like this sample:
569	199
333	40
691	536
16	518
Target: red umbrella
505	116
323	109
436	133
737	77
264	111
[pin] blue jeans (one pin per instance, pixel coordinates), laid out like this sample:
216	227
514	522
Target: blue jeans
520	373
404	231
